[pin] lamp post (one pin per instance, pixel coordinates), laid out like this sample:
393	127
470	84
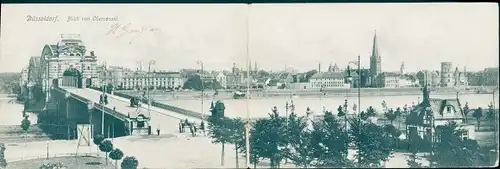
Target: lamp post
152	62
202	88
103	93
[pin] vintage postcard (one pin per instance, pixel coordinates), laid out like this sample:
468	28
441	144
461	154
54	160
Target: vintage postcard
249	85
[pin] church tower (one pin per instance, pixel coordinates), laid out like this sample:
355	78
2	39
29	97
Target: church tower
402	70
375	62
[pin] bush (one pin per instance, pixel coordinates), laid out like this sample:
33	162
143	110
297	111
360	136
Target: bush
129	163
53	166
3	163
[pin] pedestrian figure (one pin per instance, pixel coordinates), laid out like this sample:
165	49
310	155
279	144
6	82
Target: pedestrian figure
105	99
158	131
202	127
191	129
101	99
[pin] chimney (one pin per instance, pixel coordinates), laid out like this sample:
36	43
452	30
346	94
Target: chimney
319	67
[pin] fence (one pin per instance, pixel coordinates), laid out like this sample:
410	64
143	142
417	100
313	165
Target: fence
47	156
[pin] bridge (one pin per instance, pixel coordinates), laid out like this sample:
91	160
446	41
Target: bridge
59	89
81	106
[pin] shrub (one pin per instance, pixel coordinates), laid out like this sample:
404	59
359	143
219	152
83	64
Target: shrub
129	163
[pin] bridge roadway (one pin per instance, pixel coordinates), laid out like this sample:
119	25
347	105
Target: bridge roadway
166	120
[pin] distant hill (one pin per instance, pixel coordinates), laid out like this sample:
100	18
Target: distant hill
9	82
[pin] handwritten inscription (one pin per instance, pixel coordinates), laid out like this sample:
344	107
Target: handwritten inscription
31	18
120	31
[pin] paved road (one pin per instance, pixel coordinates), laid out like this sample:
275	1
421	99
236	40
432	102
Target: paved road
166	120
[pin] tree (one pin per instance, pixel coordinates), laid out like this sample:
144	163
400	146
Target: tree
341	113
330	144
129	162
478	113
466	110
310	73
25	125
299	141
391	115
490	114
106	146
116	155
370	112
97	141
394	133
412	160
268	140
3	162
451	150
237	136
220	132
373	144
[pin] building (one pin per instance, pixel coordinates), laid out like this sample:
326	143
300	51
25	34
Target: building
375	62
487	77
67	63
447	77
431	78
328	80
156	80
432	113
397	80
460	78
221	78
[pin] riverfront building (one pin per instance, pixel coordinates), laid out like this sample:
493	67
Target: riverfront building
155	80
328	80
397	80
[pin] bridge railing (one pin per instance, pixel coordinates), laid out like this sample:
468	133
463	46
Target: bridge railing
96	105
166	107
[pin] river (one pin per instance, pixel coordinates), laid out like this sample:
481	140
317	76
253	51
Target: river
261	107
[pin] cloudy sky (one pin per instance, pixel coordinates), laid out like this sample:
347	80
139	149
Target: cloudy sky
295	35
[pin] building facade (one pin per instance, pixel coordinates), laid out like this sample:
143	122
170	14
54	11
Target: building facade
431	78
155	80
221	78
397	80
328	80
67	63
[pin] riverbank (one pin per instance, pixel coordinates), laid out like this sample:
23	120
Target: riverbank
309	93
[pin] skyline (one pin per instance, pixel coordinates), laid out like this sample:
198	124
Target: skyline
420	35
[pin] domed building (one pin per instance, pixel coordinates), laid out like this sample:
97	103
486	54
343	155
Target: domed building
66	63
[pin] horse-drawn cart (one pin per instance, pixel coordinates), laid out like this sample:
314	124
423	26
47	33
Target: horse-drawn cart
193	128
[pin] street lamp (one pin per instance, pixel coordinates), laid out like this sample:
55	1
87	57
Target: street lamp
152	62
103	93
199	62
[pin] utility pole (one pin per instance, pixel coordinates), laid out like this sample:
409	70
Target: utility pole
359	86
247	126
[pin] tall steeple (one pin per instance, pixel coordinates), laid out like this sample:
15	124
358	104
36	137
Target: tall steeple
255	67
375	62
375	52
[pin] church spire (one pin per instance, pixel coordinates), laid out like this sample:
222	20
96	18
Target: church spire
255	66
375	46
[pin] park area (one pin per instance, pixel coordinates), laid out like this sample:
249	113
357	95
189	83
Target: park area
83	162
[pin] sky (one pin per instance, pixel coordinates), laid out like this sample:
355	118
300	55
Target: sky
278	35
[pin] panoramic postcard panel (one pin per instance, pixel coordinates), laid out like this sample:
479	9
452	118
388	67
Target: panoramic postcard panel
249	85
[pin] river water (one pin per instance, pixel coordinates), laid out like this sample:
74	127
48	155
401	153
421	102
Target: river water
261	107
